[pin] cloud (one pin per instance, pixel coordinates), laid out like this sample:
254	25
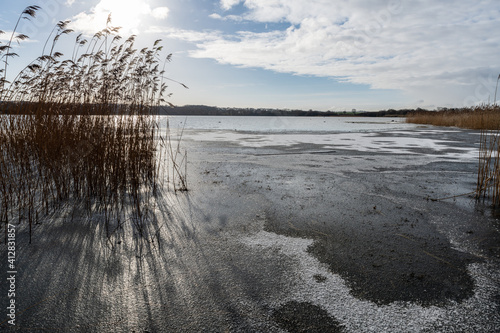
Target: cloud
443	49
186	35
129	18
228	4
6	35
160	12
235	18
215	16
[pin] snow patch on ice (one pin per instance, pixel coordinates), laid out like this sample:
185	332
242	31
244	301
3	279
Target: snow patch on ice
364	142
474	314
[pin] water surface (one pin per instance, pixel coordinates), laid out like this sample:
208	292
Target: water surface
259	124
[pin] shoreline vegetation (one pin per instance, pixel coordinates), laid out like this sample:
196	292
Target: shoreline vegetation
83	131
485	118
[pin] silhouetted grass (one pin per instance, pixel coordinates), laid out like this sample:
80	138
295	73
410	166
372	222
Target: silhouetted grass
83	129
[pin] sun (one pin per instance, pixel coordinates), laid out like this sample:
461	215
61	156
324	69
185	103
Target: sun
127	14
124	14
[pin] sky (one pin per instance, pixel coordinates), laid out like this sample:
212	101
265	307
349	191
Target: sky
295	54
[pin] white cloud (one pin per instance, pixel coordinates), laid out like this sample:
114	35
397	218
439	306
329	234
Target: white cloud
443	50
125	15
228	4
235	18
160	12
7	34
186	35
69	2
215	16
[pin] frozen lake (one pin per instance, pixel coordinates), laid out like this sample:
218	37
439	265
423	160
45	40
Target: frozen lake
363	134
286	124
328	216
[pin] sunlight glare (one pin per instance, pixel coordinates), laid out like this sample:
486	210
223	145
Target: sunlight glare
129	15
125	14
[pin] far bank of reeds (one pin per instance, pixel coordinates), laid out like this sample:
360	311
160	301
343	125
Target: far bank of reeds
81	129
485	118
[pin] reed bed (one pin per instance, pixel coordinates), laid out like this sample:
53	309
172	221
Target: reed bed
485	118
488	175
82	129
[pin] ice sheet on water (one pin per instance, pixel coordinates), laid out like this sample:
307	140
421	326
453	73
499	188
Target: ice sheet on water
365	142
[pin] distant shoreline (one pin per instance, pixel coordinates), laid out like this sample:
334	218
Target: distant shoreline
204	110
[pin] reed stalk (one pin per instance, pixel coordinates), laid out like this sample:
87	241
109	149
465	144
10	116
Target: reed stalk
485	118
82	129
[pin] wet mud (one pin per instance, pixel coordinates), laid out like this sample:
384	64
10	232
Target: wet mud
296	317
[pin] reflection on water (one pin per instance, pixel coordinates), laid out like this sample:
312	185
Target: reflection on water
486	209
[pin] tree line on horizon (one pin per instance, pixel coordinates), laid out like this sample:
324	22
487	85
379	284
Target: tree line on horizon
204	110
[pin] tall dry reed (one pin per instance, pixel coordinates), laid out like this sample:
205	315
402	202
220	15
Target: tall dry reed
82	129
487	119
488	175
480	117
